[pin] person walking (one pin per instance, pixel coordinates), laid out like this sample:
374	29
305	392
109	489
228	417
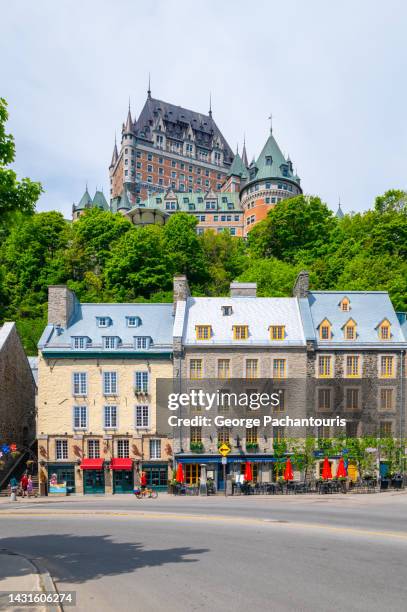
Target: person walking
143	480
24	483
30	487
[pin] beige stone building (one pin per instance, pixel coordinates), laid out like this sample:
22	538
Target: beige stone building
98	366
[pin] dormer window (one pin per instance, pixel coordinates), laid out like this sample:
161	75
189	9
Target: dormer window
110	342
325	330
240	332
133	321
203	332
277	332
384	330
349	330
227	311
142	342
103	321
269	160
344	304
80	342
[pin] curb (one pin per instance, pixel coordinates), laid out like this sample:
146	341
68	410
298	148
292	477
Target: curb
45	579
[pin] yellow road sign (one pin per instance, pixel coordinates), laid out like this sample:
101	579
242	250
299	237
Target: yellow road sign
224	449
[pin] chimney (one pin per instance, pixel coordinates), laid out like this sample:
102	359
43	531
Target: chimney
301	285
61	305
181	290
243	289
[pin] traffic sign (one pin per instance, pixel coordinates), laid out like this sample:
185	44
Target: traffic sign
224	449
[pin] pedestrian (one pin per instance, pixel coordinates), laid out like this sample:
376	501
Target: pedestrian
143	481
30	486
24	483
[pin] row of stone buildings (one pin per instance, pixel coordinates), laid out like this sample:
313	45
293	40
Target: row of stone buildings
105	372
173	159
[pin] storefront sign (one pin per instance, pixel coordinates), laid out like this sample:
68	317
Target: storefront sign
57	489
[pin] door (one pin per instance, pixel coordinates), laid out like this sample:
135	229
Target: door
157	477
64	473
93	482
123	481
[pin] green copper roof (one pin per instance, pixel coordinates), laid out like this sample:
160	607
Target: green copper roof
85	201
238	168
99	201
272	163
226	201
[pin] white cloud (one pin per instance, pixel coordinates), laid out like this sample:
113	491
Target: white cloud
332	74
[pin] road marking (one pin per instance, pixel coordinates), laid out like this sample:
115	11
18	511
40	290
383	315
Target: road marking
214	518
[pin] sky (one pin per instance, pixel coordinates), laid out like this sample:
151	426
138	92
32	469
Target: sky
332	74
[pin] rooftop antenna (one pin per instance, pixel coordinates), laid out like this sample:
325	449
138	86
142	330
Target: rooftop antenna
149	87
210	104
271	123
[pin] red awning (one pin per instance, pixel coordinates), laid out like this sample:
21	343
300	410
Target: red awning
121	464
92	464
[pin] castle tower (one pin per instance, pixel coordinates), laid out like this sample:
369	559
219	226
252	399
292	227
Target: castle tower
271	179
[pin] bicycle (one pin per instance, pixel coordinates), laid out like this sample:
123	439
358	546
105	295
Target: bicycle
150	493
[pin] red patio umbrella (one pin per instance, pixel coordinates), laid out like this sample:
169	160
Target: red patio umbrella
341	471
326	470
180	476
288	472
248	476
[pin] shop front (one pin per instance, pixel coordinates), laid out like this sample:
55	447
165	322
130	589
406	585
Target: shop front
60	473
157	475
123	478
93	476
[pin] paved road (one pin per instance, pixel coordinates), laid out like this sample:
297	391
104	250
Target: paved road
280	554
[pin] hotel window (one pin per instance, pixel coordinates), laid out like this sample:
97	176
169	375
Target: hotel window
352	366
196	434
386	399
325	330
155	449
149	168
352	399
325	366
386	366
252	368
203	332
142	416
61	449
80	342
349	331
93	449
345	305
110	417
279	368
223	435
103	321
141	382
240	332
385	429
80	383
384	330
80	417
351	429
110	342
224	368
109	383
195	369
324	432
251	435
123	449
277	332
150	157
324	399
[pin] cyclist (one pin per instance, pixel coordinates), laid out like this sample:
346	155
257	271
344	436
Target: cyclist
143	481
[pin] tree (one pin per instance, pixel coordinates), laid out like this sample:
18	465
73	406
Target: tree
225	259
392	200
273	277
184	249
138	264
14	195
293	225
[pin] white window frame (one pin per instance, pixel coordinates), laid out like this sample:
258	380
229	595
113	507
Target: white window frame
110	342
157	443
144	386
136	319
79	343
63	442
93	443
77	419
143	341
142	416
110	389
80	386
103	321
107	411
124	442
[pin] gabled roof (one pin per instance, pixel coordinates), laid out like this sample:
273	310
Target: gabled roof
238	168
195	201
178	121
84	202
99	201
265	170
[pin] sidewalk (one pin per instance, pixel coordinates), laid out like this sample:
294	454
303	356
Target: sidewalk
17	574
